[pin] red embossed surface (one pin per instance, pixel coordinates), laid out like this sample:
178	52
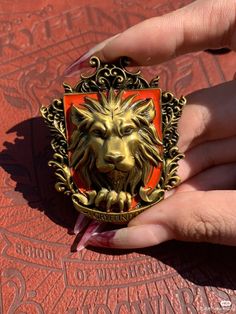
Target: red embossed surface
39	274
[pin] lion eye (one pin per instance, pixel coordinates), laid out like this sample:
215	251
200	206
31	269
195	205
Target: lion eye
97	133
128	130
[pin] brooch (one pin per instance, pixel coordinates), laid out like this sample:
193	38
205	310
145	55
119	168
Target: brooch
114	137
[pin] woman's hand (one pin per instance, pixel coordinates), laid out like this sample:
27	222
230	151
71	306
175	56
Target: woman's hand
201	25
203	207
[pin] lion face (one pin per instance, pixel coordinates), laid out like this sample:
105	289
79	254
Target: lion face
113	140
115	143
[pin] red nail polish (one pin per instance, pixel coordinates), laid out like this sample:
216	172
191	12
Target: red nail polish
103	239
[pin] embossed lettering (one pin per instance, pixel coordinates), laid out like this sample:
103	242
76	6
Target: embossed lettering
140	270
101	308
124	305
123	273
136	305
149	269
149	308
203	294
81	275
186	299
162	303
85	309
132	271
222	295
28	34
6	42
167	307
101	273
33	252
54	24
18	248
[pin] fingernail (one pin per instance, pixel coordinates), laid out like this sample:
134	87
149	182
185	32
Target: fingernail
103	239
81	222
82	61
132	237
93	227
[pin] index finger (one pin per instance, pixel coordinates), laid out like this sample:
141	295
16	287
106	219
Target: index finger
202	24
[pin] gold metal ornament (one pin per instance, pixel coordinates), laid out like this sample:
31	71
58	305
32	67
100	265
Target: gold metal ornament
115	142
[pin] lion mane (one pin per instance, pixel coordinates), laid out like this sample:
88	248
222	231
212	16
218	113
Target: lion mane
146	151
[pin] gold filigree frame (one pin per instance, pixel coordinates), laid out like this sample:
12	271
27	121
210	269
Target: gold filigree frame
114	76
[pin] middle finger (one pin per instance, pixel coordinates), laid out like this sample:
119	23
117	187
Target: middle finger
209	115
207	155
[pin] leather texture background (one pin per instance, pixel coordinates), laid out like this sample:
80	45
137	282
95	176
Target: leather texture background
39	274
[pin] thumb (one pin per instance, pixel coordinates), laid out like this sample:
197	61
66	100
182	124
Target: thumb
186	216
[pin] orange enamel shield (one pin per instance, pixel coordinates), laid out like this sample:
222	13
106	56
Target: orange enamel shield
78	100
115	142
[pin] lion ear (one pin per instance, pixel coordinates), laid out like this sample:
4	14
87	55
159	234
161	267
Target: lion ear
146	109
79	114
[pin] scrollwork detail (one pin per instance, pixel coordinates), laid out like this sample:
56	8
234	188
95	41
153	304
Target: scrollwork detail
16	281
110	76
105	77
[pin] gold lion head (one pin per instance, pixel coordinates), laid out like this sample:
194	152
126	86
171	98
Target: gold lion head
115	144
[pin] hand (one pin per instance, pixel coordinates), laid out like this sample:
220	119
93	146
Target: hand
201	25
203	207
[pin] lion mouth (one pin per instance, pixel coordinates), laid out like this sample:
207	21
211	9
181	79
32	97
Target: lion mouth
115	174
114	177
111	168
117	178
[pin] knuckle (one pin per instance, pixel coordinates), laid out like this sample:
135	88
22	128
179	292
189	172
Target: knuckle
205	231
201	228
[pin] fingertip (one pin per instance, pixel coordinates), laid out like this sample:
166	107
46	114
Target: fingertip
83	61
132	237
187	30
141	236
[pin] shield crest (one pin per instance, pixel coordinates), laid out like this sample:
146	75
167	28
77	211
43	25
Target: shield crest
118	153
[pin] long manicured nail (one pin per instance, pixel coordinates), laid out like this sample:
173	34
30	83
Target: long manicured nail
103	239
82	61
132	237
81	222
93	227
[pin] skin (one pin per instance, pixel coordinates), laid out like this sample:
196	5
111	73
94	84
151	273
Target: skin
203	207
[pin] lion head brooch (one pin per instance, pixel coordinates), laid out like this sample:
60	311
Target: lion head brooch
115	142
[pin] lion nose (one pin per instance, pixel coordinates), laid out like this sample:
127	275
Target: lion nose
114	158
